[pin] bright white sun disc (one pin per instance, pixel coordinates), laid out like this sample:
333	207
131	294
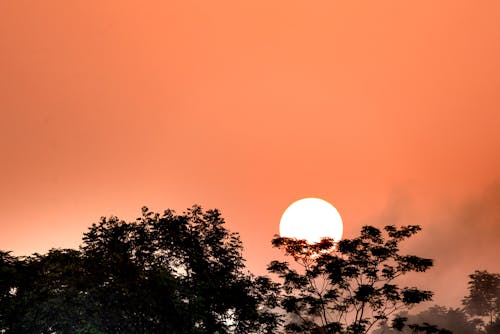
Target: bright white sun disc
311	219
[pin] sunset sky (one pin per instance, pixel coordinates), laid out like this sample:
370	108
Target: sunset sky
390	110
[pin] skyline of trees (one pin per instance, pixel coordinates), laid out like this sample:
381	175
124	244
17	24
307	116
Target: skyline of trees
185	273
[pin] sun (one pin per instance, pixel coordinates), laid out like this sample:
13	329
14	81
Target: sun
311	219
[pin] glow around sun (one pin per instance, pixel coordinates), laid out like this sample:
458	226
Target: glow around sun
311	219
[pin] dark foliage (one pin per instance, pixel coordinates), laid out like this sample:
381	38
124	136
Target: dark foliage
493	328
184	273
484	296
444	320
481	303
164	273
349	286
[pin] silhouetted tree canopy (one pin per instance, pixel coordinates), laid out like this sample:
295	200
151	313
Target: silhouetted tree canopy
349	286
184	273
484	296
444	320
164	273
482	301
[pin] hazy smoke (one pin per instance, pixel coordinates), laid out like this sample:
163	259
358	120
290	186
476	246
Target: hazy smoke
461	238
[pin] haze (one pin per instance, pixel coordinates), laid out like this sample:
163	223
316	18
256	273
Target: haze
387	109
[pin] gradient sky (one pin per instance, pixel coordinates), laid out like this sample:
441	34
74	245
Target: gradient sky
390	110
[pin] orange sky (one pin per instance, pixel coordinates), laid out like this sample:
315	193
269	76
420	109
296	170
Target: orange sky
388	109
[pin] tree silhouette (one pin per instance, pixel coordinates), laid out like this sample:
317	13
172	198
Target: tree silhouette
163	273
454	320
8	284
484	296
427	328
184	273
49	294
349	286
